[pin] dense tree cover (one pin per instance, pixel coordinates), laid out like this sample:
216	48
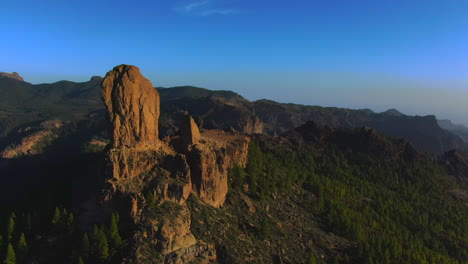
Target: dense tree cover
398	211
56	239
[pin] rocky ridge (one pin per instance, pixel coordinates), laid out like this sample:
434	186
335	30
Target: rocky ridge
147	175
13	75
32	140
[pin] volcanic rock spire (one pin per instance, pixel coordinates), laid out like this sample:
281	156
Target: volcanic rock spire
133	106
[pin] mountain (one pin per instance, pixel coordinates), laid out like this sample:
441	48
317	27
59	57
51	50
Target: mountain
234	113
22	103
110	188
459	130
13	75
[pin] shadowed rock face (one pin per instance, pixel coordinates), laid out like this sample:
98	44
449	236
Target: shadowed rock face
132	104
189	132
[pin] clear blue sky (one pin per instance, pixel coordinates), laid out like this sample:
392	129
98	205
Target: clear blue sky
408	54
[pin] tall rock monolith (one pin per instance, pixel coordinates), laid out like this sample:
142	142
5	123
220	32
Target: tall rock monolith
132	104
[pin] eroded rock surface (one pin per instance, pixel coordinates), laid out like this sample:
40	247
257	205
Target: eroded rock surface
154	178
32	140
13	75
28	145
189	132
210	161
132	104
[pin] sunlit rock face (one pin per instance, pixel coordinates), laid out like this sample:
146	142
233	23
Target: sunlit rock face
147	174
132	104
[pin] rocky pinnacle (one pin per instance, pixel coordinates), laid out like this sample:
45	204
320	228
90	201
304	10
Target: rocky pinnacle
132	104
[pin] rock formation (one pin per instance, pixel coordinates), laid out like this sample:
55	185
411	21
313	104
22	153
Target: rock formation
210	162
32	140
13	75
189	132
148	175
27	145
133	106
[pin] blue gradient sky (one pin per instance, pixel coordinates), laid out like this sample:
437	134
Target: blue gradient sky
406	54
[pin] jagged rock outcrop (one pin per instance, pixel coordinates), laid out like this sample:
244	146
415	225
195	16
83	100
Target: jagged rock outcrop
148	175
144	172
210	162
133	106
13	75
189	132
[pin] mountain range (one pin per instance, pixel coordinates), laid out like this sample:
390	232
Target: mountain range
22	103
114	170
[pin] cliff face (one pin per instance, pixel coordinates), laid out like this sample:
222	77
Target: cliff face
209	164
132	104
148	175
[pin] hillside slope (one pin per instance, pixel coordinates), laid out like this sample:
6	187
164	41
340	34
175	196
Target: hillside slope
22	103
314	194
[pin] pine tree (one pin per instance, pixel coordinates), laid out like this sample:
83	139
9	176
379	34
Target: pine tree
57	216
11	228
85	246
150	199
114	236
70	223
22	248
93	238
102	246
95	231
10	257
312	259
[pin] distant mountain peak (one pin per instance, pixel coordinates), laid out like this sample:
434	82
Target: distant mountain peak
13	75
393	112
96	78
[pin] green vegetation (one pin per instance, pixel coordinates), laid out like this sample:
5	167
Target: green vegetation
312	259
10	257
22	248
55	239
396	211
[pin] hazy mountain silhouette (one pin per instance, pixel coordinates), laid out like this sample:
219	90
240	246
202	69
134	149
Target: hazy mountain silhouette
22	102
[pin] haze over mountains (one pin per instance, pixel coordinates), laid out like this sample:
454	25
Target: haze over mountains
22	102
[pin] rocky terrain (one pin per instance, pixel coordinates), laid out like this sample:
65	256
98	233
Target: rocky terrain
199	176
149	174
32	140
